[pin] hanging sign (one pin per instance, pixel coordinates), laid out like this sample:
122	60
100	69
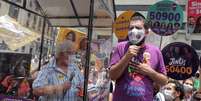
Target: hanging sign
181	60
194	16
121	25
165	17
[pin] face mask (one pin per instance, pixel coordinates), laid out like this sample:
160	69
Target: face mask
187	88
168	94
135	36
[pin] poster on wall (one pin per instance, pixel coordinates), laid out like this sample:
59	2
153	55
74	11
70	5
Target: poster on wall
15	76
71	34
181	60
165	17
194	16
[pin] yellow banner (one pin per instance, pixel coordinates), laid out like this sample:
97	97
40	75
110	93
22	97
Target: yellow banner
122	23
14	34
70	34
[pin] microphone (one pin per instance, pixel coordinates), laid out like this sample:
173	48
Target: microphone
139	44
71	76
70	79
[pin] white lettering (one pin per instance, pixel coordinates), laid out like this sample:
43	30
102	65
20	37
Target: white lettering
178	62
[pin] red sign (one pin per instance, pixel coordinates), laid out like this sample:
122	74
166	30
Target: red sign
194	16
194	8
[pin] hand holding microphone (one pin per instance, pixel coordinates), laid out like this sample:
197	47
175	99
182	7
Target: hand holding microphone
132	51
71	76
67	84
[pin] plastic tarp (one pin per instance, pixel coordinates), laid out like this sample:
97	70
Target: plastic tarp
14	34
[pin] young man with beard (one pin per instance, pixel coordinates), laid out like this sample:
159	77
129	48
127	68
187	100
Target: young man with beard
135	65
61	79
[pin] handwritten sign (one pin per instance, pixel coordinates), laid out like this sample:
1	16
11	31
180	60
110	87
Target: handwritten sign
165	17
181	60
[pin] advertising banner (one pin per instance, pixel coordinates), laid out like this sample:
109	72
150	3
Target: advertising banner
181	60
165	17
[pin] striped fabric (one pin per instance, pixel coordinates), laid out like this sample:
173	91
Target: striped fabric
52	75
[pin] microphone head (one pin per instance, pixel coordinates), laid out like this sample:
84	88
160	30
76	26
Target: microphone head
71	76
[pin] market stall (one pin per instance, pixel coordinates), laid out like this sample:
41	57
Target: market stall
87	14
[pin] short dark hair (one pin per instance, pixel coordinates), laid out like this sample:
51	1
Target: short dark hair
139	16
178	87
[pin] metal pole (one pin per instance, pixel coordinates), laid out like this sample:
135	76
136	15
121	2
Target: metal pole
42	41
24	3
161	40
90	30
24	7
114	9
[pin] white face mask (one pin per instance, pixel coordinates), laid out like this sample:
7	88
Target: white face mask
168	94
187	88
135	36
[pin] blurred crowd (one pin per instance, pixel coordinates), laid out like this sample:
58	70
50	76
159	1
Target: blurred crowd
179	90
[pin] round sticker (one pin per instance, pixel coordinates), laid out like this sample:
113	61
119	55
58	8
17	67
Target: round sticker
181	60
121	25
165	17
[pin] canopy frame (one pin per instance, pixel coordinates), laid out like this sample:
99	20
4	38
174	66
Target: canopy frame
90	30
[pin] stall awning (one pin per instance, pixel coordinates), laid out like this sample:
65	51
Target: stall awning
75	13
14	34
